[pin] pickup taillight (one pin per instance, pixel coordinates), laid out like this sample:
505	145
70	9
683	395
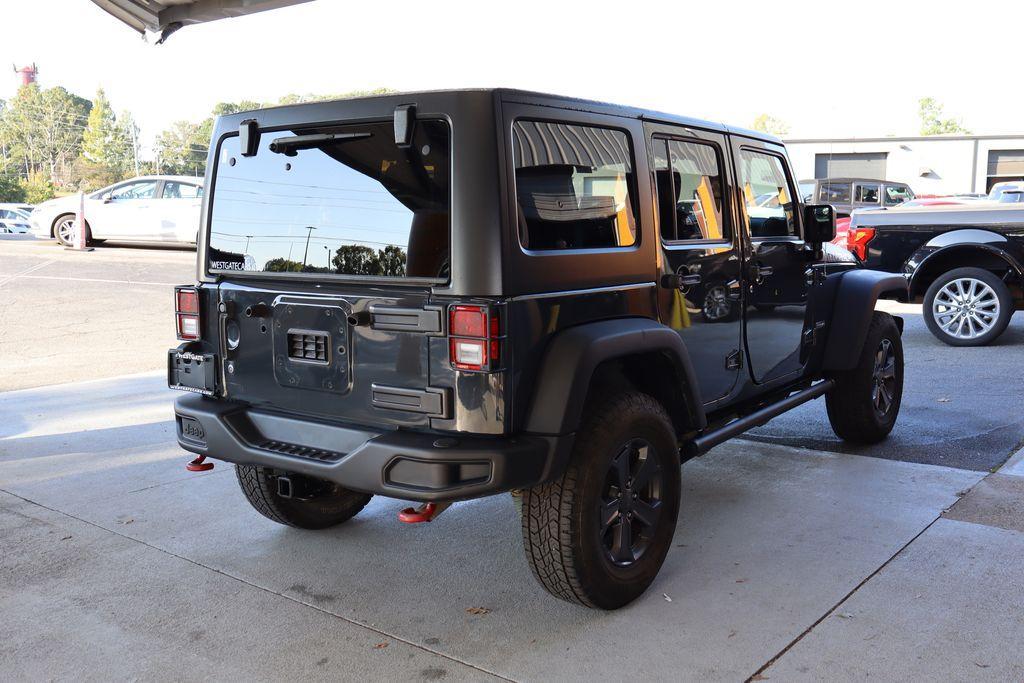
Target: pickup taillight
473	333
857	241
186	313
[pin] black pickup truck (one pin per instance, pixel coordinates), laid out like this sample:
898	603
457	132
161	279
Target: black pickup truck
966	264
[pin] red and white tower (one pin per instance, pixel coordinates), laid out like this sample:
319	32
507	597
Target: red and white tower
28	74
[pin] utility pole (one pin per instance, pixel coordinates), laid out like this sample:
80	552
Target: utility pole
135	146
305	254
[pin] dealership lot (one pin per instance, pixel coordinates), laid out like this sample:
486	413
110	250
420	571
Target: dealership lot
116	302
69	316
794	559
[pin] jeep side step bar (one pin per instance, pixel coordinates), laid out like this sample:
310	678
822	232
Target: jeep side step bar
708	440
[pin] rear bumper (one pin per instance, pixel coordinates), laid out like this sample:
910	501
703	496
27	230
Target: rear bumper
400	464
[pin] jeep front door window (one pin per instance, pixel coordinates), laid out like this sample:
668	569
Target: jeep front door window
776	293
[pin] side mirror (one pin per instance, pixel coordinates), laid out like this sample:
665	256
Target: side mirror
107	198
819	223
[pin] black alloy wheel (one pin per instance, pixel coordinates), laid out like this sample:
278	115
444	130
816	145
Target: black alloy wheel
631	504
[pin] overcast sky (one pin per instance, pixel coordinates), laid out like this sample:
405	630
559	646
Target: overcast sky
826	68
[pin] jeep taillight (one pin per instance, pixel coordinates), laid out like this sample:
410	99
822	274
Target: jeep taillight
186	313
473	342
857	241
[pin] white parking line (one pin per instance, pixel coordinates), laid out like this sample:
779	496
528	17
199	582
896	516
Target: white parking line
24	273
90	279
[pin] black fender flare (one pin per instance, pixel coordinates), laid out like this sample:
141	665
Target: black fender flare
987	241
857	292
574	354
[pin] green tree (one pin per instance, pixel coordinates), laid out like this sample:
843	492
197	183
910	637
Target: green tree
766	123
127	145
282	265
392	260
108	146
41	130
38	188
100	131
181	149
355	259
11	188
932	122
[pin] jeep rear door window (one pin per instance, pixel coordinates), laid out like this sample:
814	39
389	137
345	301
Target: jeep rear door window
334	200
689	191
866	193
769	202
573	186
835	193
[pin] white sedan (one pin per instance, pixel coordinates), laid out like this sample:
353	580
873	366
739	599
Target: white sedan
154	208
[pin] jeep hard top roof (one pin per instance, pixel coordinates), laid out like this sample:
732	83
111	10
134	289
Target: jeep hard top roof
541	99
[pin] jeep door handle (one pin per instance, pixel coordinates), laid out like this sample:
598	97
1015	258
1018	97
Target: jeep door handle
758	272
673	281
689	280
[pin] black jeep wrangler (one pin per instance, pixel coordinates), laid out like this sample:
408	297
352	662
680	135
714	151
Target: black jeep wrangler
444	295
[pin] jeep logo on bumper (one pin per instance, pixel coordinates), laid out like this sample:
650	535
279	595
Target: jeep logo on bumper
191	430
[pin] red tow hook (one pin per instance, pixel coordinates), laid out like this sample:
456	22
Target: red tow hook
426	512
198	465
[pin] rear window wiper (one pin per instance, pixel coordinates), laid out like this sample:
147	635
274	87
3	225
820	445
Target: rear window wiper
290	146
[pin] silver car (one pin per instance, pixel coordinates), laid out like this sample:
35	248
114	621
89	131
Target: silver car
14	220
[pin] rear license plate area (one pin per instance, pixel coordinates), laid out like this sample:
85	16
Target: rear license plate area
194	372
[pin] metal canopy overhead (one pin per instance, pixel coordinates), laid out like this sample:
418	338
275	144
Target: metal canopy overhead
167	16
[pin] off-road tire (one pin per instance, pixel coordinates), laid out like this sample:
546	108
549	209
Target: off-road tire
851	404
999	288
331	506
561	523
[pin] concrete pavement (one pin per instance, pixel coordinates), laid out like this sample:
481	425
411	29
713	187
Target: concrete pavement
949	607
122	564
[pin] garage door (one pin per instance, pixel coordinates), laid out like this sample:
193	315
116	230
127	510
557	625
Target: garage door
1005	164
859	165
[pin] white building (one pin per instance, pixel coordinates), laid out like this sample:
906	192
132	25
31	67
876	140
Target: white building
935	164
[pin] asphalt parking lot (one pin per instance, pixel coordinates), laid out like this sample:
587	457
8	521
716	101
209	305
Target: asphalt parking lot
115	303
798	559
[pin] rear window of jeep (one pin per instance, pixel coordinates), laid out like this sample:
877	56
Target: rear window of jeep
574	186
334	200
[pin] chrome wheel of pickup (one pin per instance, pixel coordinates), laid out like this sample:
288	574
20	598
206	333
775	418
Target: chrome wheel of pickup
883	393
717	305
966	308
